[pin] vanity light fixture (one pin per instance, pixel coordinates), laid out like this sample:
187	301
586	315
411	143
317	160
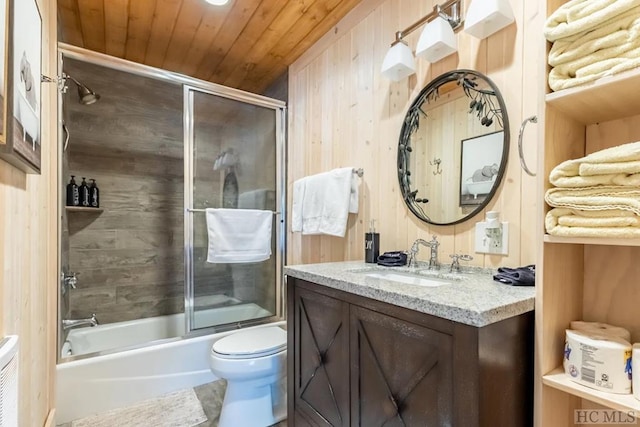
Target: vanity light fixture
437	40
399	62
485	17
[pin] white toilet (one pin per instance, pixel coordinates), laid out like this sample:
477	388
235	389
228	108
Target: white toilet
253	363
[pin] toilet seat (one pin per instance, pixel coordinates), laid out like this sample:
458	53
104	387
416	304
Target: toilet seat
251	344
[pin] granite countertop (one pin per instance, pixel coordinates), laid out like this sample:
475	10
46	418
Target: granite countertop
471	297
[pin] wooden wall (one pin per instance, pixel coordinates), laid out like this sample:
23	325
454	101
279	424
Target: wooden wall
129	257
342	112
28	253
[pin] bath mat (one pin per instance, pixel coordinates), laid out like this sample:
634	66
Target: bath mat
179	409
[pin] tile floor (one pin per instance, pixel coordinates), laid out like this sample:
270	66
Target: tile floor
210	396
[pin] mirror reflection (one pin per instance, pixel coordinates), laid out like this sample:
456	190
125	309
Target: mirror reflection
453	147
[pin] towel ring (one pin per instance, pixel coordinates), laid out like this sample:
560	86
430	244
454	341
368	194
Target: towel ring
532	119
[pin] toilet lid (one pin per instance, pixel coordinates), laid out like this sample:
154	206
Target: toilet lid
252	343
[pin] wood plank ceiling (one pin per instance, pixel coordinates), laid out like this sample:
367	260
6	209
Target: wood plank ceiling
246	44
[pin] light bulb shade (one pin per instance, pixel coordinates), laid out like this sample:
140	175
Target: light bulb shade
437	40
217	2
486	17
398	63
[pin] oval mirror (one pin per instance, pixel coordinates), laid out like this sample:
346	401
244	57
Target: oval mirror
453	147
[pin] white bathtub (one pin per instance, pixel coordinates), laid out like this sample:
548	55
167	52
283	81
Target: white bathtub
100	383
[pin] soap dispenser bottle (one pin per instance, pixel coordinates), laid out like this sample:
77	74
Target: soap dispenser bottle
94	194
84	193
371	244
73	196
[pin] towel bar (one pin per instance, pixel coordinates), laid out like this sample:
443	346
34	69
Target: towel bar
204	210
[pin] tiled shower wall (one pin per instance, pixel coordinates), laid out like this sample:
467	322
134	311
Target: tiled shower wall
129	257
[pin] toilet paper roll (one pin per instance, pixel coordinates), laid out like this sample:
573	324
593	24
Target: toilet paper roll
617	331
598	360
635	366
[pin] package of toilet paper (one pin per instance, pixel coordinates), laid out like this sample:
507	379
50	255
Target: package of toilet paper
597	360
617	331
635	365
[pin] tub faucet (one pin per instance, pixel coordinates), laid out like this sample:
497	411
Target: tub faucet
433	257
69	324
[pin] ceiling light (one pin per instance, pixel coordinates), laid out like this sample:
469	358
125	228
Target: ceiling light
217	2
437	40
399	62
485	17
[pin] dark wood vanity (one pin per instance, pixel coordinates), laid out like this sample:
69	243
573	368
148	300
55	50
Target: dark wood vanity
356	361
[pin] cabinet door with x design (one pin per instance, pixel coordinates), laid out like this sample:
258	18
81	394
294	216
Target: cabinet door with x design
401	372
321	360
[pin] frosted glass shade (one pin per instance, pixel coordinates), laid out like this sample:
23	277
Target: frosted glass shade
486	17
437	40
398	63
217	2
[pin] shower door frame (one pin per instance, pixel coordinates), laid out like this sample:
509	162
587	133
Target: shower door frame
81	54
189	146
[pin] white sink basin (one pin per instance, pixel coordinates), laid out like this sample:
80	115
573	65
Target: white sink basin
409	279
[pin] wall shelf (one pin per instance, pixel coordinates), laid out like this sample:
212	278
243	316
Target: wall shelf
622	402
603	241
608	98
82	209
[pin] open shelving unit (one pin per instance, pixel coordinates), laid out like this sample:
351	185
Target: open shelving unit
82	209
593	279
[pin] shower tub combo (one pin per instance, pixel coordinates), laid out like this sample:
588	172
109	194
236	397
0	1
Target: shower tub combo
99	383
117	364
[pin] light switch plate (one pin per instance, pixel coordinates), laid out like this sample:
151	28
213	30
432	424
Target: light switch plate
485	245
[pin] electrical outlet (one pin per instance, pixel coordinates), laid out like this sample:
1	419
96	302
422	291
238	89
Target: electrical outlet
492	241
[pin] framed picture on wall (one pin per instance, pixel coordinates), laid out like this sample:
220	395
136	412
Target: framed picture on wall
23	138
480	163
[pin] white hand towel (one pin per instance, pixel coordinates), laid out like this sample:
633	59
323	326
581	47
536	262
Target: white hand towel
296	204
238	235
322	202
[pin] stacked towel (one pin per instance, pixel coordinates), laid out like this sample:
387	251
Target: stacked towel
592	39
521	276
393	259
322	202
597	195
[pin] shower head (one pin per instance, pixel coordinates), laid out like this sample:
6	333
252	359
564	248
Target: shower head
85	95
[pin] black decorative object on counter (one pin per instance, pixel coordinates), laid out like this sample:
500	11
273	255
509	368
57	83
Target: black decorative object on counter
371	244
393	259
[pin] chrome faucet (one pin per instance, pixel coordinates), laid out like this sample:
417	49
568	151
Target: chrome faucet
69	324
455	261
69	281
433	244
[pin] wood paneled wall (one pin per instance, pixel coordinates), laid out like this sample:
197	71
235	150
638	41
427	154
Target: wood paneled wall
28	253
129	257
342	112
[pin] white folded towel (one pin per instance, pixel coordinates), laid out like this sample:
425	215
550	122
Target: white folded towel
577	16
322	203
238	235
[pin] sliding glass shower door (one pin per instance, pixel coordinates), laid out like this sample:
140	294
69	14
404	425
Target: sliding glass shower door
233	159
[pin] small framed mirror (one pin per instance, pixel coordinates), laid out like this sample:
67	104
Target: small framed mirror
453	147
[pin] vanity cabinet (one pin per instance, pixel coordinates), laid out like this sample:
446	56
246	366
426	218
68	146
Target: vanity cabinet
579	278
355	361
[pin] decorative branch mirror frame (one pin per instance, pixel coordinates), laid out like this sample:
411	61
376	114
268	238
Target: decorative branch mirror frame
466	109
